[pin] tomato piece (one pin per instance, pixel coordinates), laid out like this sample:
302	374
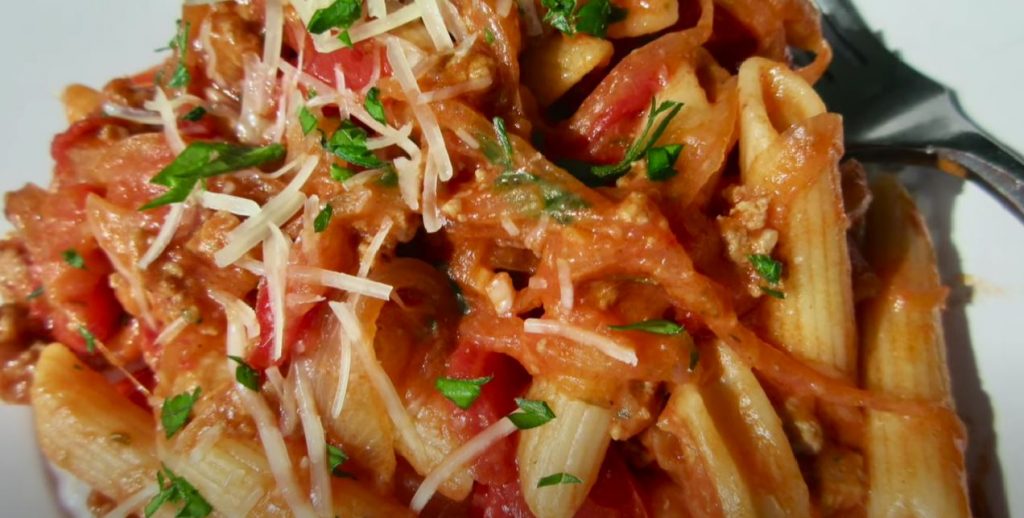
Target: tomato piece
127	388
357	63
497	399
499	501
616	493
51	224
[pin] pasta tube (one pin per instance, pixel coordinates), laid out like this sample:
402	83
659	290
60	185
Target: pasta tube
789	152
574	443
85	426
915	464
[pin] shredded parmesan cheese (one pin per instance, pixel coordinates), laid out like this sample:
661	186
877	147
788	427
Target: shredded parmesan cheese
285	394
362	352
370	255
582	336
390	139
376	8
409	180
509	225
344	372
453	91
501	293
165	109
165	235
135	115
316	441
133	502
273	34
459	458
435	25
225	202
372	28
256	406
275	259
565	288
171	331
503	7
340	281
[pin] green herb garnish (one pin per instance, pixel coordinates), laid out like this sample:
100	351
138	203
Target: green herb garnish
345	38
767	268
374	106
181	77
335	458
658	327
246	375
593	18
462	392
341	174
36	293
646	140
349	143
175	412
559	478
195	114
341	14
90	339
534	414
206	159
323	219
773	292
73	258
307	120
175	489
661	162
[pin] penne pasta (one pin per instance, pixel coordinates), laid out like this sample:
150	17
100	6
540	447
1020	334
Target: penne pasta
574	443
915	464
85	426
557	62
780	114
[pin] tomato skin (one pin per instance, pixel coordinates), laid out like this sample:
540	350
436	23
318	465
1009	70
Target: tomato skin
615	493
357	63
499	501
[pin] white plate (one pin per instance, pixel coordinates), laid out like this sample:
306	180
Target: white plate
971	46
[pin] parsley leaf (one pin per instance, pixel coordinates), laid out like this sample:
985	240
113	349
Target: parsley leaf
205	159
658	327
176	489
90	339
341	173
323	218
36	293
767	268
593	18
349	143
773	293
534	414
661	162
335	458
559	478
195	114
374	106
73	258
345	38
506	143
646	140
246	375
489	37
307	120
389	178
462	392
181	77
341	14
175	412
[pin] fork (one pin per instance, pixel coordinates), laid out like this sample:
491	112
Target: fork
893	113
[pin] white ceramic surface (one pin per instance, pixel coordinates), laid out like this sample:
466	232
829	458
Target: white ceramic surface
971	46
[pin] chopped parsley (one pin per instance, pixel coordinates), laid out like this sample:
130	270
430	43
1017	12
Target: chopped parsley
307	120
181	77
175	489
335	458
646	141
36	293
770	270
555	201
175	412
559	478
202	160
345	38
341	174
658	327
593	18
349	143
506	143
195	114
323	219
90	339
534	414
246	375
489	37
73	258
388	178
374	106
462	392
341	15
661	162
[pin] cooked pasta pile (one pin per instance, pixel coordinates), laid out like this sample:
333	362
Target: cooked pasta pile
479	258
